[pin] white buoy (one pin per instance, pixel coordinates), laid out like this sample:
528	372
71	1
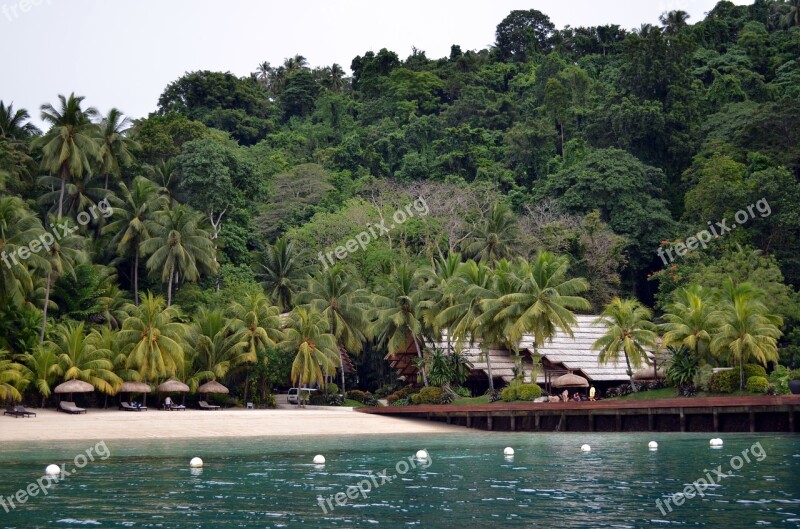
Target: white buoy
652	445
422	454
586	448
319	459
508	451
196	462
716	442
52	469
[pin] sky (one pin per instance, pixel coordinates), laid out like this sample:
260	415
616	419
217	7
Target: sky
123	53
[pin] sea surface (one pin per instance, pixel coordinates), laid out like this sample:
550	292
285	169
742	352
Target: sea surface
466	482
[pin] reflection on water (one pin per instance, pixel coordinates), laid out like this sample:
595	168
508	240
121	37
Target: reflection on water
469	483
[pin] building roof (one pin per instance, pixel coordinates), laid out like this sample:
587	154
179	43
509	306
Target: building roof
566	353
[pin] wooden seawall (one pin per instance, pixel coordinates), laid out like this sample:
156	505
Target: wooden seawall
698	414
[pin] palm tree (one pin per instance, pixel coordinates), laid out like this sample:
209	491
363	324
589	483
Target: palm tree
335	77
70	145
12	123
80	359
439	277
629	330
399	312
688	321
44	369
80	194
116	149
217	345
260	325
18	229
496	237
293	64
674	21
340	300
153	339
791	17
471	286
544	300
315	349
281	271
746	330
61	256
12	377
135	222
164	174
180	248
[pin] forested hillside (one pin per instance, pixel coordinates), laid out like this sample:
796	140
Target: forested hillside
580	161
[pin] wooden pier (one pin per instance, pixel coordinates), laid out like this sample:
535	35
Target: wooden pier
696	414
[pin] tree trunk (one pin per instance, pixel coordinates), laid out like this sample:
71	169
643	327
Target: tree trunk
630	373
489	370
44	311
136	278
419	354
105	187
341	360
246	382
741	373
64	175
169	285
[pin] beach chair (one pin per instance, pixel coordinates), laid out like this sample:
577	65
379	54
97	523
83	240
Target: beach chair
206	406
12	411
127	406
69	407
22	412
169	405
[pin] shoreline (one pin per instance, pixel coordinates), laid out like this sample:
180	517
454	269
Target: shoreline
111	424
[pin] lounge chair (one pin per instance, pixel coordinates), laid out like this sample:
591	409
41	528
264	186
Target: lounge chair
18	411
127	406
206	406
69	407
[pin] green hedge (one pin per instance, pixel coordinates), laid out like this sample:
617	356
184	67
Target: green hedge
757	384
429	395
509	394
528	392
724	381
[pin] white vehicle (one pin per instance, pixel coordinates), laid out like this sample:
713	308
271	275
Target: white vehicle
294	396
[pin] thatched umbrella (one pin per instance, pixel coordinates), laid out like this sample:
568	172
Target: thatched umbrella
173	386
570	381
136	387
650	373
74	386
212	386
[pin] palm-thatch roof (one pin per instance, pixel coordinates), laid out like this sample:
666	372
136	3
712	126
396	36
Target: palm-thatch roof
650	373
135	387
74	386
570	381
212	386
173	386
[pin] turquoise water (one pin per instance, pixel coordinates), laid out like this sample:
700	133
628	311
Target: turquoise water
468	483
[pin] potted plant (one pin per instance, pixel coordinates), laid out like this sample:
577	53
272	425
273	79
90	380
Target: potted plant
794	381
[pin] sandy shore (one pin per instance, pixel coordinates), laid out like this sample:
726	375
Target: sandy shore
155	424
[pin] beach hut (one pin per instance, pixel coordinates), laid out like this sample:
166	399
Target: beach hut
70	387
212	386
136	387
570	381
173	386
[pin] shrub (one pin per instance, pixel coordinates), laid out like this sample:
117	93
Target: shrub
429	395
494	395
757	384
462	392
754	370
794	374
683	365
724	381
402	393
447	398
528	392
509	394
384	391
400	402
702	379
687	390
332	388
334	399
363	397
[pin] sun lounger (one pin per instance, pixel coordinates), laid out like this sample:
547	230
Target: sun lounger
127	406
18	411
169	405
206	406
69	407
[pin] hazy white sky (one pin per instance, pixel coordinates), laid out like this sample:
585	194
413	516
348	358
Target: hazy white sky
124	52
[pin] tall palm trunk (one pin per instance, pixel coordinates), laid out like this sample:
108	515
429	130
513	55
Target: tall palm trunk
64	176
341	361
630	373
136	278
741	373
246	381
169	285
489	369
419	354
44	311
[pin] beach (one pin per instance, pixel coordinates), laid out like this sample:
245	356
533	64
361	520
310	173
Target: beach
155	424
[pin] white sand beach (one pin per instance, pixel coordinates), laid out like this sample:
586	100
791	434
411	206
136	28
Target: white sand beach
156	424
